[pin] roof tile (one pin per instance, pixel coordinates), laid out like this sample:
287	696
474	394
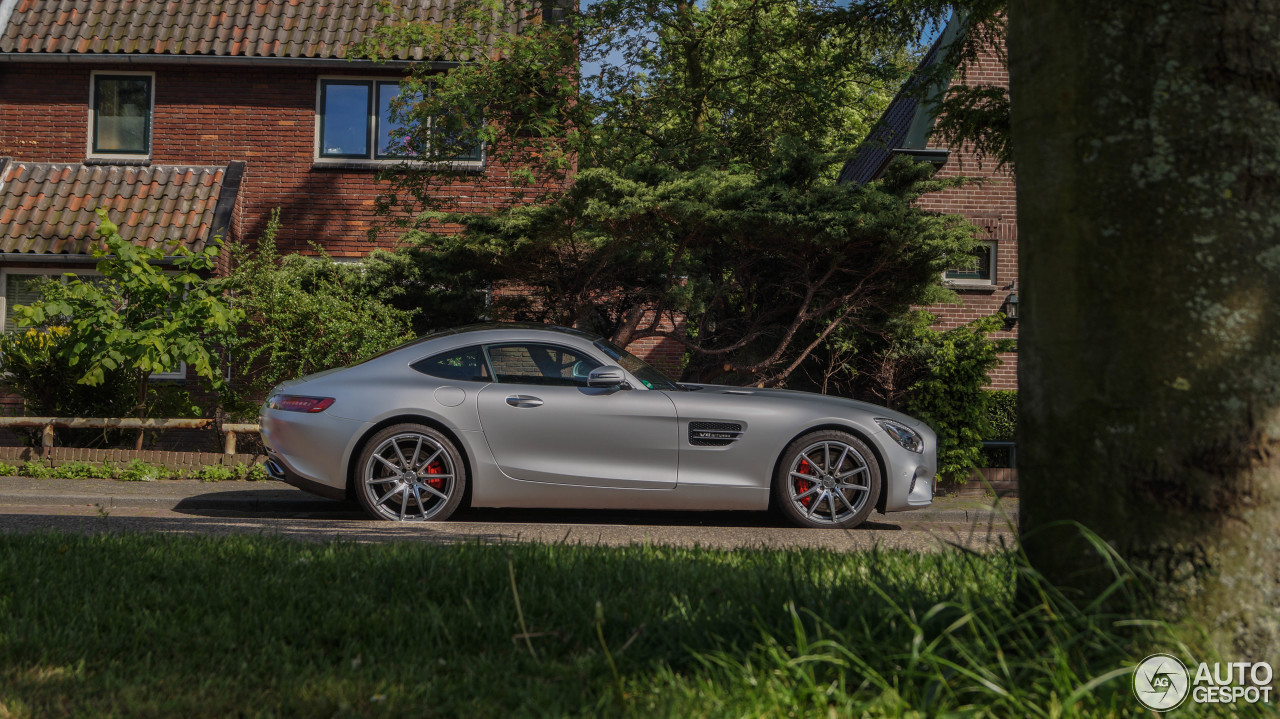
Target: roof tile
48	207
307	28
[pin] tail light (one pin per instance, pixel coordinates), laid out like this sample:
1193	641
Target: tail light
298	403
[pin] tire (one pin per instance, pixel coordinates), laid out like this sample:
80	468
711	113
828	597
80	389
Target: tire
845	482
409	472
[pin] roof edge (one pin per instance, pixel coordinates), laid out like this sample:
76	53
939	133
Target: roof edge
4	168
66	258
107	58
6	11
220	225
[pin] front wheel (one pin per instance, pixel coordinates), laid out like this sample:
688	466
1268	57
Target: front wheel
827	479
409	472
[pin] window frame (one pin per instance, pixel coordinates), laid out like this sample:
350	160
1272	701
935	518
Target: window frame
993	253
372	157
179	374
91	150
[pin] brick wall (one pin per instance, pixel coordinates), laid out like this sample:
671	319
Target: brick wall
990	204
211	115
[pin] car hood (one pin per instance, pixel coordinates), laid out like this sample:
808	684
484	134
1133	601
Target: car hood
837	405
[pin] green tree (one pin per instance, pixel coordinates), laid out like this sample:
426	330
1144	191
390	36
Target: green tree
707	161
1146	137
138	318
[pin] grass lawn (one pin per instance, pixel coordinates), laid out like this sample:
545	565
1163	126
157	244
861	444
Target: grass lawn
142	625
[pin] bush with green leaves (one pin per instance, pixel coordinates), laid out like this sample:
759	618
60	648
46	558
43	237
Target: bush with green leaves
140	471
83	470
302	315
949	393
216	473
37	470
138	318
35	366
1002	414
939	376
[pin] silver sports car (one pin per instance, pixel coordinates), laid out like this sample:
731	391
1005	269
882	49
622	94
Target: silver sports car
536	416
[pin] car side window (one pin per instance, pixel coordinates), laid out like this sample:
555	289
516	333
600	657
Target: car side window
529	363
461	365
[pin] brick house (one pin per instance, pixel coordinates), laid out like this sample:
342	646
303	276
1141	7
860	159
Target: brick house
989	203
190	119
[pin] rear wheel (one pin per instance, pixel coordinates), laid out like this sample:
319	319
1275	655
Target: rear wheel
827	479
409	472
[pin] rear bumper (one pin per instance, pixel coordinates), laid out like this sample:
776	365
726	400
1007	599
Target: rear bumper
278	469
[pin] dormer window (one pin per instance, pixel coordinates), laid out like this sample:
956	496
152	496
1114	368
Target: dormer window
121	106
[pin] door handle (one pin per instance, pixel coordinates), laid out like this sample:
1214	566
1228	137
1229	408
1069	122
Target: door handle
524	400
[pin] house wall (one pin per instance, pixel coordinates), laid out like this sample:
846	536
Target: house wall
211	115
265	116
989	203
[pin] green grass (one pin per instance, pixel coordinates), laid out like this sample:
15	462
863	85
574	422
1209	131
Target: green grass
145	625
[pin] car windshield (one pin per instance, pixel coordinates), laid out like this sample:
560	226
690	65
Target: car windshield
648	376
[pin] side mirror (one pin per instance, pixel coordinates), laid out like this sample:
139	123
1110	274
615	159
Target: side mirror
608	376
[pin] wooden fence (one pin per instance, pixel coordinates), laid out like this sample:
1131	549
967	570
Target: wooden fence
48	424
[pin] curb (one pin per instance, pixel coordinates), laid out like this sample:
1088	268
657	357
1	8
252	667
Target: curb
949	516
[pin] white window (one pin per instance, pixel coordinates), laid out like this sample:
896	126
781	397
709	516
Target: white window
19	287
983	273
121	105
354	121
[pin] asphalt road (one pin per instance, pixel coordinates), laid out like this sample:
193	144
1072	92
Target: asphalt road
91	506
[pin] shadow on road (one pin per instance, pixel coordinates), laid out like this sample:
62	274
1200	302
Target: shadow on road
246	505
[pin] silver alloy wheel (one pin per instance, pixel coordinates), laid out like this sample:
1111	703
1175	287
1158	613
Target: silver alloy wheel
409	477
830	482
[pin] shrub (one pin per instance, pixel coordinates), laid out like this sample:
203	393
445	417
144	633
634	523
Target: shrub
8	470
83	470
139	471
938	376
216	473
1002	423
1002	414
256	473
35	366
138	318
950	396
303	315
35	469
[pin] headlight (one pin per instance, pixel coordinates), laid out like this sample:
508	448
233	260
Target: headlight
902	434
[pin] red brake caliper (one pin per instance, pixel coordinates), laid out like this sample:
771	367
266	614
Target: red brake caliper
803	485
436	467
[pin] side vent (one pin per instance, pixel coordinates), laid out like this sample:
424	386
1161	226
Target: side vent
714	434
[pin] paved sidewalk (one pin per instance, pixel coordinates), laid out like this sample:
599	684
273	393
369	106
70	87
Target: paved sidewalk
275	496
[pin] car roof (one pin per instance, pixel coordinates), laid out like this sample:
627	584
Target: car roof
483	327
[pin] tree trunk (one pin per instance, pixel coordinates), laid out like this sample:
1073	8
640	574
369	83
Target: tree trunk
1146	138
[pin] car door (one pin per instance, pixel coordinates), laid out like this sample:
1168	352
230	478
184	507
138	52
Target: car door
544	424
